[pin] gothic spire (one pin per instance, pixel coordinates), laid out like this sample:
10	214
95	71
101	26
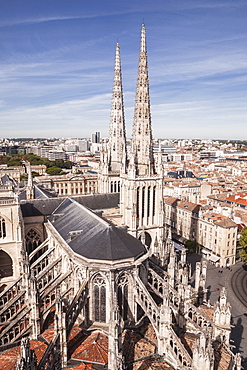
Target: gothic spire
117	139
142	146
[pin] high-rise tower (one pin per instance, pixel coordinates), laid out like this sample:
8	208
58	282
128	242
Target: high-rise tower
113	155
141	192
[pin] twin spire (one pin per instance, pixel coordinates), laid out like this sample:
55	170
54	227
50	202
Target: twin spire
117	140
141	146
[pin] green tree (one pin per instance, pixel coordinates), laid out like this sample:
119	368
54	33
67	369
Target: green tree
54	170
59	163
14	160
191	245
243	243
67	164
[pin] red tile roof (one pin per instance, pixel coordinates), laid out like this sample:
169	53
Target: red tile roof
93	348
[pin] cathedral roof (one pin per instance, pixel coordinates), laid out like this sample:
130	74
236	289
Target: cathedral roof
91	236
46	206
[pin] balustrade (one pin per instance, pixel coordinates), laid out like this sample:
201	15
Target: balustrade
11	308
75	308
38	266
48	296
49	274
147	303
178	349
10	293
16	328
198	317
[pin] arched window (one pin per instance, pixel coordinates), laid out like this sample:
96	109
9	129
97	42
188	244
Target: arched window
143	202
33	240
137	202
99	294
6	266
145	238
154	200
123	296
2	228
148	201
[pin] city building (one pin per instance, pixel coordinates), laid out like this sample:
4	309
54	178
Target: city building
80	291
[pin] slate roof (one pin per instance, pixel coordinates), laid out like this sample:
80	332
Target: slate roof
47	206
92	237
40	193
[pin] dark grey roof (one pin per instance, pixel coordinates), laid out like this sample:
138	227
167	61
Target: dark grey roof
92	237
40	206
47	206
23	195
41	193
5	179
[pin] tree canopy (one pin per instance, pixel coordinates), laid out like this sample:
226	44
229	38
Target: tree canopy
243	243
53	167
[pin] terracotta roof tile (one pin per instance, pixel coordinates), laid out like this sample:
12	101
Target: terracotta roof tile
93	348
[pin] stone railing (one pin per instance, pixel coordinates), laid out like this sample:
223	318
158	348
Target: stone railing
10	292
48	296
49	274
178	350
11	308
16	328
147	303
42	262
75	308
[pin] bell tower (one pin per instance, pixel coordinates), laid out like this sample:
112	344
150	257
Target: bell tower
113	154
141	198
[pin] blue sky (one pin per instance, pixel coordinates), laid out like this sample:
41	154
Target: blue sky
57	60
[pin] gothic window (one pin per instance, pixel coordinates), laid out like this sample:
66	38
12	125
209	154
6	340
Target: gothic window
33	240
6	267
143	201
123	296
137	202
148	210
111	186
114	147
99	294
146	239
118	187
154	201
2	228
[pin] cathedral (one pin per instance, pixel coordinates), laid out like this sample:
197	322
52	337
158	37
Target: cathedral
94	282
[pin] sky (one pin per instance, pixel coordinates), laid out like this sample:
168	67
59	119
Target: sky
57	62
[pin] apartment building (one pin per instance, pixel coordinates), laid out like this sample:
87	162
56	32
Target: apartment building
187	190
216	234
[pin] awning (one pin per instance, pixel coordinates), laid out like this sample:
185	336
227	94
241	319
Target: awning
213	258
179	247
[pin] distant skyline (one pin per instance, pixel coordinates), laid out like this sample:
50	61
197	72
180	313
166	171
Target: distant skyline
57	62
